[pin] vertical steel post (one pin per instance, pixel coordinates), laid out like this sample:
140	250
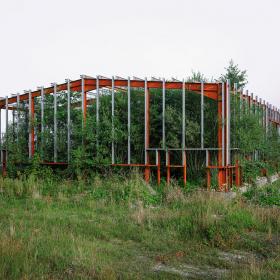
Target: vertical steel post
146	120
264	114
240	112
266	118
113	119
184	158
256	105
235	90
30	124
83	100
55	122
128	122
1	154
7	126
18	117
240	103
252	103
247	103
183	118
68	120
147	131
202	115
163	115
261	112
223	124
97	113
228	112
42	122
13	126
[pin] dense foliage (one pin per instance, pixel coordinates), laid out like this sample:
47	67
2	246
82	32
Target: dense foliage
257	147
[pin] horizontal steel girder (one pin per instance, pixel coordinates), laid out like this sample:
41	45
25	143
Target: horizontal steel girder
210	89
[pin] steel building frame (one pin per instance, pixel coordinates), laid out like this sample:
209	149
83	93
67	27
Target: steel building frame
221	92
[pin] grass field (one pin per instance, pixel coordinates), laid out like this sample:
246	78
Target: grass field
120	229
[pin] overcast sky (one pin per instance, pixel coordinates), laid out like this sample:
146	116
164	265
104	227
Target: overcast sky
48	41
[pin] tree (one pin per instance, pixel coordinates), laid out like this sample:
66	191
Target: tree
235	75
197	77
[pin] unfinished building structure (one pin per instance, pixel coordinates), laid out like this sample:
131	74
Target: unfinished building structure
222	156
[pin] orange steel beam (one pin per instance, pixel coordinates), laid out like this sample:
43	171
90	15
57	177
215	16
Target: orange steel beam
210	89
220	134
168	168
274	122
237	174
185	168
134	165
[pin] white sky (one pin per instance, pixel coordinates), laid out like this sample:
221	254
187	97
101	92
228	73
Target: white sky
48	41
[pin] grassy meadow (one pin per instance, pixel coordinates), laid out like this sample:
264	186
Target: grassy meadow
118	228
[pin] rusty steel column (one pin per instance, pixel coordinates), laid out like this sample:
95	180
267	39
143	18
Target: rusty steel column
237	174
228	117
168	167
228	135
185	168
221	137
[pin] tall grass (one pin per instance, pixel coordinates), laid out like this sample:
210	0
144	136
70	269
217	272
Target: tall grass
118	228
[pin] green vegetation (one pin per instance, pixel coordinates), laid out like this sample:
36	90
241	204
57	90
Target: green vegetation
235	75
91	142
268	195
95	221
118	228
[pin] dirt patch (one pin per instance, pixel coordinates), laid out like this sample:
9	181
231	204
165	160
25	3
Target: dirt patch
238	257
192	272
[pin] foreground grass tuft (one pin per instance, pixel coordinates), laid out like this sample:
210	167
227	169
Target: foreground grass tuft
121	229
268	195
